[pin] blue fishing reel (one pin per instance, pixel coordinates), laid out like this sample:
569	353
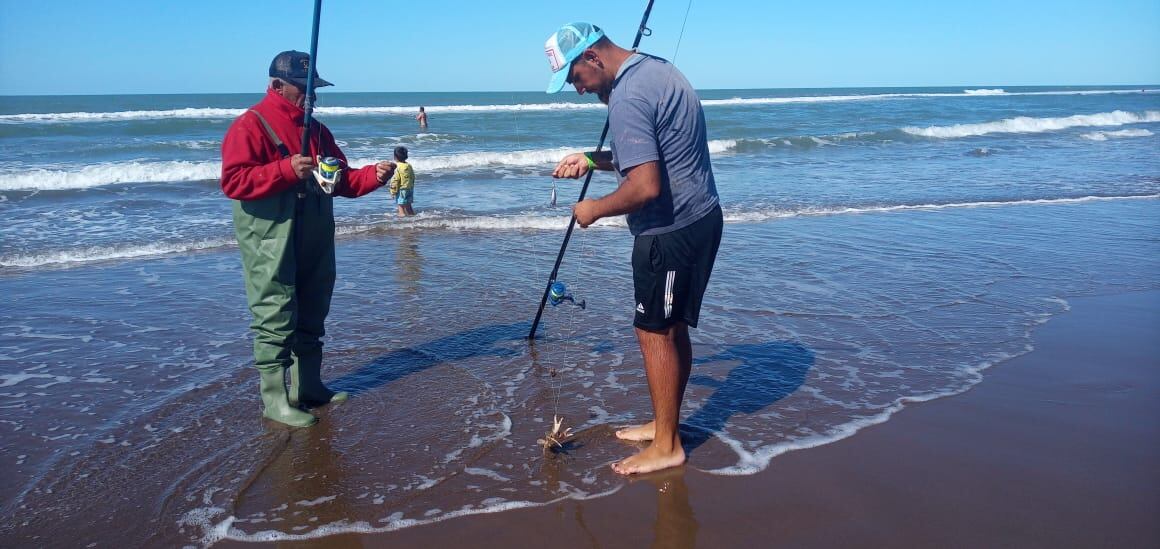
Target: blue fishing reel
558	293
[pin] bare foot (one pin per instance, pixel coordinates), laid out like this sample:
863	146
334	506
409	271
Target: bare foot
650	459
638	433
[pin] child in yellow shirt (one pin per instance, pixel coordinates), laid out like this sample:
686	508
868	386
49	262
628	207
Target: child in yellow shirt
403	183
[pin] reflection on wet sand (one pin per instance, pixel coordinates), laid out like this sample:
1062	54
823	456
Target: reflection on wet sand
675	525
409	261
303	487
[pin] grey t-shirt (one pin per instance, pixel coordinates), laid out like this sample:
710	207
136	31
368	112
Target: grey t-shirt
654	114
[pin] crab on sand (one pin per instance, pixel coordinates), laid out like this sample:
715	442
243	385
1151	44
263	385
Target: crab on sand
554	440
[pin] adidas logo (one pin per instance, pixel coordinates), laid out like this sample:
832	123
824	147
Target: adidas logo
640	308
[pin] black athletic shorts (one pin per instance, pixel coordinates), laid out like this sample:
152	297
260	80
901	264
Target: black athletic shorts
670	272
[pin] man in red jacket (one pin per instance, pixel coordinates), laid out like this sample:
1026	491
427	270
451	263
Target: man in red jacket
284	223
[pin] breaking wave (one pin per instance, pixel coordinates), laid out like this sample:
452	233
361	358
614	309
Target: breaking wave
547	220
1024	124
114	173
391	110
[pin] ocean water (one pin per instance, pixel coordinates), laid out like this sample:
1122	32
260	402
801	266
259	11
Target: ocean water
882	247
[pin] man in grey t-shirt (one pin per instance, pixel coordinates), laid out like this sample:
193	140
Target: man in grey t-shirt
660	154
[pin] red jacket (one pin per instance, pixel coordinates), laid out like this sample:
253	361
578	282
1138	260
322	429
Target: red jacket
252	167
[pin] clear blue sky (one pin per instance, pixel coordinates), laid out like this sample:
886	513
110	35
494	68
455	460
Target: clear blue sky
145	46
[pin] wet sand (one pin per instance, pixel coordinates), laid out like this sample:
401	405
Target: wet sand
1056	448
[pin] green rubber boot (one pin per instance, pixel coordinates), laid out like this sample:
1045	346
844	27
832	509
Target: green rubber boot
306	382
277	406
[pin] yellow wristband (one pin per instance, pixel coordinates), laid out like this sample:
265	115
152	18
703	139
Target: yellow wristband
591	163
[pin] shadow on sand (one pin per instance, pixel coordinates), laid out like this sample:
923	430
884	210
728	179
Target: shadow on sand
767	373
402	362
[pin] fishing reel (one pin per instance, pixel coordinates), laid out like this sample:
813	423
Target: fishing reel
558	293
328	173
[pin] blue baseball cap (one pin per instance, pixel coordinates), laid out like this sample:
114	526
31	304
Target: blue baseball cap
564	46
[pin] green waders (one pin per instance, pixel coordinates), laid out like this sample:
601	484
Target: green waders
287	244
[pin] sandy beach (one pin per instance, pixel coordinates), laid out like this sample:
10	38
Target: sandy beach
1056	448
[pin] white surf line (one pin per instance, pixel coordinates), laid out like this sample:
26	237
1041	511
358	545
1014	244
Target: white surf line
203	517
224	113
1026	124
111	173
195	113
1103	136
759	459
766	215
116	173
93	254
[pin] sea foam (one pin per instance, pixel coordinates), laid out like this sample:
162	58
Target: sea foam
105	253
113	173
392	110
110	173
1024	124
1104	136
548	221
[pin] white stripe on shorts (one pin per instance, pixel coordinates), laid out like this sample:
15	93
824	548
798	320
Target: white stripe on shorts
669	279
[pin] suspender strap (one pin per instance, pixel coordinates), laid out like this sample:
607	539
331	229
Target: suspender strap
282	148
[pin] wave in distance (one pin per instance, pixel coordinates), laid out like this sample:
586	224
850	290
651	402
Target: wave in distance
223	113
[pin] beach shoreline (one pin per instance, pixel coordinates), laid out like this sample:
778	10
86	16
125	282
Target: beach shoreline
1055	448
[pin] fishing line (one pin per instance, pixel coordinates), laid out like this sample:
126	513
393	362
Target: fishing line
682	35
586	242
641	31
585	245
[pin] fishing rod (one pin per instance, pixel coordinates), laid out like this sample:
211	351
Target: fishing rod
310	79
642	30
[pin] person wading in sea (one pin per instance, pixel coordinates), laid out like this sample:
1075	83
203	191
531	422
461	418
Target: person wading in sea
422	118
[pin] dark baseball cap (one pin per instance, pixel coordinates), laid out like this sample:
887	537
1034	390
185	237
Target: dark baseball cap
291	66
